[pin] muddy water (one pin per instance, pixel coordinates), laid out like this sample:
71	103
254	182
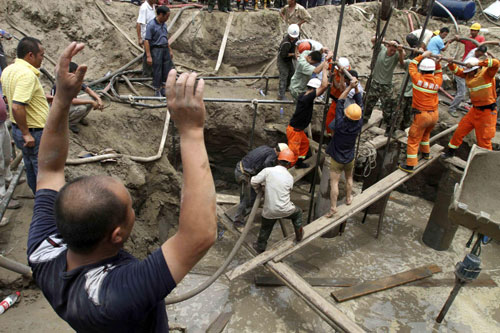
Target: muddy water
356	254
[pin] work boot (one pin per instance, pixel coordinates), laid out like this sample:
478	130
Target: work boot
299	234
406	168
426	156
238	224
450	152
257	248
300	164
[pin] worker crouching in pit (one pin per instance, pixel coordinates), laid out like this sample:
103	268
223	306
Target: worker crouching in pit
346	126
482	116
278	184
426	80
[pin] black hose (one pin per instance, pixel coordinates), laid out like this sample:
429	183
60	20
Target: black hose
226	263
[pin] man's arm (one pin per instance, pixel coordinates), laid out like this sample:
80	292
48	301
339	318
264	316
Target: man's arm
54	144
148	52
401	55
139	37
258	180
95	96
324	82
197	219
19	113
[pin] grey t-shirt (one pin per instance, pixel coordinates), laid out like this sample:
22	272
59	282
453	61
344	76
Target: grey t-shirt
384	67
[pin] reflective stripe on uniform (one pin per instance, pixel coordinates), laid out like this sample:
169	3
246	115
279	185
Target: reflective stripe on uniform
455	70
484	86
438	71
424	143
415	62
452	146
490	62
424	90
412	156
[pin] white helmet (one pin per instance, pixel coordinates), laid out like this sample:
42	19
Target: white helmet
282	146
427	65
344	62
314	83
473	61
293	30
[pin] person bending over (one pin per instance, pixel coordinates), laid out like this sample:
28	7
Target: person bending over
76	236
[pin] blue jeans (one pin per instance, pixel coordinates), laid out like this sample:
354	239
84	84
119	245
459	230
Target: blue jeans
30	154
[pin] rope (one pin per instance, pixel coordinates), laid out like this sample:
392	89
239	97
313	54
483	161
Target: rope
367	156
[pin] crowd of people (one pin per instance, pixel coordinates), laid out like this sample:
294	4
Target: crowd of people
76	237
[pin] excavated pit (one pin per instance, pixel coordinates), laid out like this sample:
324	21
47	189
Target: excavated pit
155	186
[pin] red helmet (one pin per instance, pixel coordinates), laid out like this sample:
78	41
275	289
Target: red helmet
286	155
304	46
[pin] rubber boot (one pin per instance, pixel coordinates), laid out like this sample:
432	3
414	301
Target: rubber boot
406	168
244	7
300	164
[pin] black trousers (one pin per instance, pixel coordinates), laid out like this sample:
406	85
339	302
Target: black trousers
162	64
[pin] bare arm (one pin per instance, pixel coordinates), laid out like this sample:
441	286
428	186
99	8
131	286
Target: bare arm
139	37
54	144
19	113
95	96
324	82
352	85
148	52
401	55
197	220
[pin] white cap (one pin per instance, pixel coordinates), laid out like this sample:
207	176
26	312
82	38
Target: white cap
314	83
427	65
282	146
344	62
293	30
473	61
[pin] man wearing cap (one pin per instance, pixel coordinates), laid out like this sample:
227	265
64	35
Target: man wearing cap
286	54
480	79
278	184
469	46
297	139
306	67
250	165
381	85
426	77
347	125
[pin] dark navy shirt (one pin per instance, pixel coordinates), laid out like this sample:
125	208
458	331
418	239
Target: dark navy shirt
118	294
341	147
156	33
303	111
258	159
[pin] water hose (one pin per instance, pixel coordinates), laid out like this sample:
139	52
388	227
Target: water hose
217	274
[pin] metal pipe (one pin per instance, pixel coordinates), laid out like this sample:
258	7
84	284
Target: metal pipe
458	285
209	99
107	77
15	266
10	190
256	105
325	111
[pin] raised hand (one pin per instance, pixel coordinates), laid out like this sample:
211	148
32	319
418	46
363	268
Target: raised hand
185	101
69	84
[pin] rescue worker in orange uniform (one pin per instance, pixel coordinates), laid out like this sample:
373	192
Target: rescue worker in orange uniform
338	86
482	116
298	142
427	77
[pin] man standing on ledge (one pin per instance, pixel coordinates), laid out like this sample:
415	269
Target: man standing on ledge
27	102
158	51
146	15
76	236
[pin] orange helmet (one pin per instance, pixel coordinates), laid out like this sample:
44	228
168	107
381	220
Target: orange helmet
353	112
304	46
286	155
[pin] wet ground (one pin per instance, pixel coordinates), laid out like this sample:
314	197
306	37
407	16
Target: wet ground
356	254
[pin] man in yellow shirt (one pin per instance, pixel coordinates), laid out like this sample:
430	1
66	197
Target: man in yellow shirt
27	102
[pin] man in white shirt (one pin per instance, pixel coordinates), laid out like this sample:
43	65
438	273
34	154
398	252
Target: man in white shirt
278	183
146	14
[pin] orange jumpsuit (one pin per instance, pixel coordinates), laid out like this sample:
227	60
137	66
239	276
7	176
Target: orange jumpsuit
297	142
482	116
334	95
425	101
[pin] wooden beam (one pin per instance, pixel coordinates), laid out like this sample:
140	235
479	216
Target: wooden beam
219	323
271	281
384	283
315	229
227	199
224	41
183	27
312	298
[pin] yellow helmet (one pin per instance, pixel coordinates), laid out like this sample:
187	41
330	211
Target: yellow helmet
353	112
436	32
475	26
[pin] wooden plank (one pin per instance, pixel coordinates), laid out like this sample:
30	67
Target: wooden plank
183	27
456	161
320	226
271	281
291	277
384	283
481	282
276	269
224	41
222	198
219	323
